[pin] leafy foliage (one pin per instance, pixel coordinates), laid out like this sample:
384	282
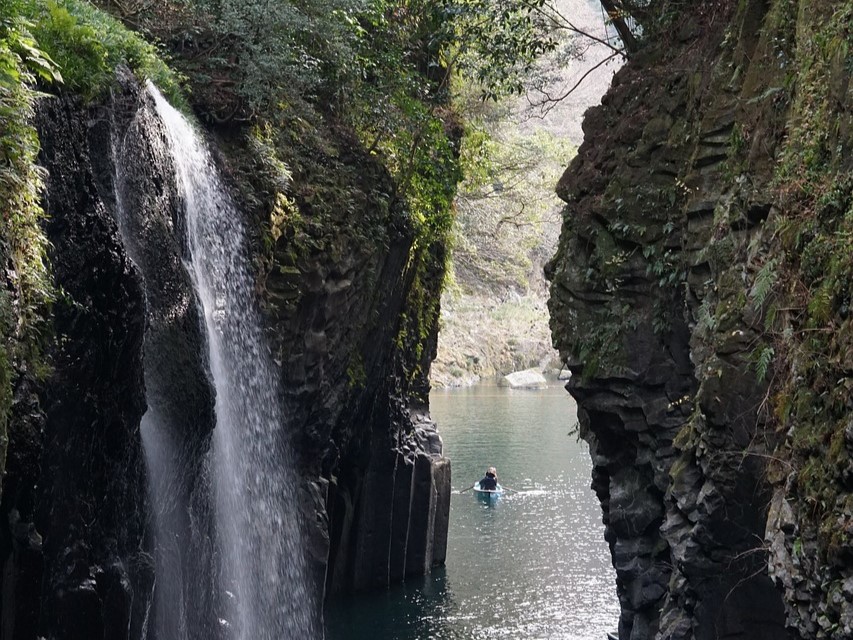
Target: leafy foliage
506	206
257	53
21	61
88	44
22	244
763	357
764	281
499	41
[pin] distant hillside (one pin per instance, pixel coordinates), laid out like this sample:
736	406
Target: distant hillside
494	313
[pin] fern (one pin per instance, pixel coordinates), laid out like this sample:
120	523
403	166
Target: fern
763	356
764	282
706	317
770	317
820	305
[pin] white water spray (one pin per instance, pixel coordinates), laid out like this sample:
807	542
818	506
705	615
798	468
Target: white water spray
257	524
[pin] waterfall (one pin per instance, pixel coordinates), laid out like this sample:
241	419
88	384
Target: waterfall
261	582
166	453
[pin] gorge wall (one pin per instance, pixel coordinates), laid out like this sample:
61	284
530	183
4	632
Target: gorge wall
346	302
700	295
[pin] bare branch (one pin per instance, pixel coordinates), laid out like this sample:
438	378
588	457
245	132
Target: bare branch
552	101
562	22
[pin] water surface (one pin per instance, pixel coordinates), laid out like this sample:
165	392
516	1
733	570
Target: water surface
533	566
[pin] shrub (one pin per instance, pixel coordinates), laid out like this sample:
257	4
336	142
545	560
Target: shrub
88	44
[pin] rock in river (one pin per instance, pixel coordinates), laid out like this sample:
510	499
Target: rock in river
527	379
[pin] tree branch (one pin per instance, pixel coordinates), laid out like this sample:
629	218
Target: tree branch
616	12
562	22
552	101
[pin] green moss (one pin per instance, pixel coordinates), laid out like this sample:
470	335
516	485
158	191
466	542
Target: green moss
837	447
428	265
815	228
88	44
823	55
5	386
598	339
356	374
679	467
686	436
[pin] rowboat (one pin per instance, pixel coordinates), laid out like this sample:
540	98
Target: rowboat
488	494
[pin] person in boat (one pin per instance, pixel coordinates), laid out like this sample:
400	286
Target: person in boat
490	480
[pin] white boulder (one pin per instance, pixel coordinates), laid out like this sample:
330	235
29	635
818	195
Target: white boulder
527	379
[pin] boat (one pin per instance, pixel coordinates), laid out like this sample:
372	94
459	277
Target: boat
488	494
612	635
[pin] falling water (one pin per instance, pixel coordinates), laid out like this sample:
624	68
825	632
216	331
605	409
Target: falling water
165	455
263	569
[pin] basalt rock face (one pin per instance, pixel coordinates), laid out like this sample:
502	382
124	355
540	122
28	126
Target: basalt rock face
355	339
74	505
659	307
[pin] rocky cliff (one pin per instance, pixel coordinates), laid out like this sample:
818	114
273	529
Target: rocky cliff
700	295
350	295
351	326
74	500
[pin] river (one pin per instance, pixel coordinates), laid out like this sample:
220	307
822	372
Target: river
533	566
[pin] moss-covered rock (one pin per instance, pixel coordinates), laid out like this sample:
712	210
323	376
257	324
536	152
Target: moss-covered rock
734	319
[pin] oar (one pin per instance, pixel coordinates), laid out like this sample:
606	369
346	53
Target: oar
511	489
469	488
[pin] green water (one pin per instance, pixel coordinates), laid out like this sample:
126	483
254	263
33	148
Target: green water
533	566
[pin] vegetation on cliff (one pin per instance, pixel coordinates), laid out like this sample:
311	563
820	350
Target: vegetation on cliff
706	265
27	290
337	121
808	278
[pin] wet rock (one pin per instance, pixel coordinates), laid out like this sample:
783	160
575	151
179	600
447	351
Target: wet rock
634	506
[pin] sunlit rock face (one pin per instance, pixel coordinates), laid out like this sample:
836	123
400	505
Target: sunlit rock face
671	205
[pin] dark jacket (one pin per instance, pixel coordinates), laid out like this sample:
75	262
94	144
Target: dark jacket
489	483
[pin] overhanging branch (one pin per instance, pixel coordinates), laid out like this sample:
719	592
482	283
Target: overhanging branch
617	13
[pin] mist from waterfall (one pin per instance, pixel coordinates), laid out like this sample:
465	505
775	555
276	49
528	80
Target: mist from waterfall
261	584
